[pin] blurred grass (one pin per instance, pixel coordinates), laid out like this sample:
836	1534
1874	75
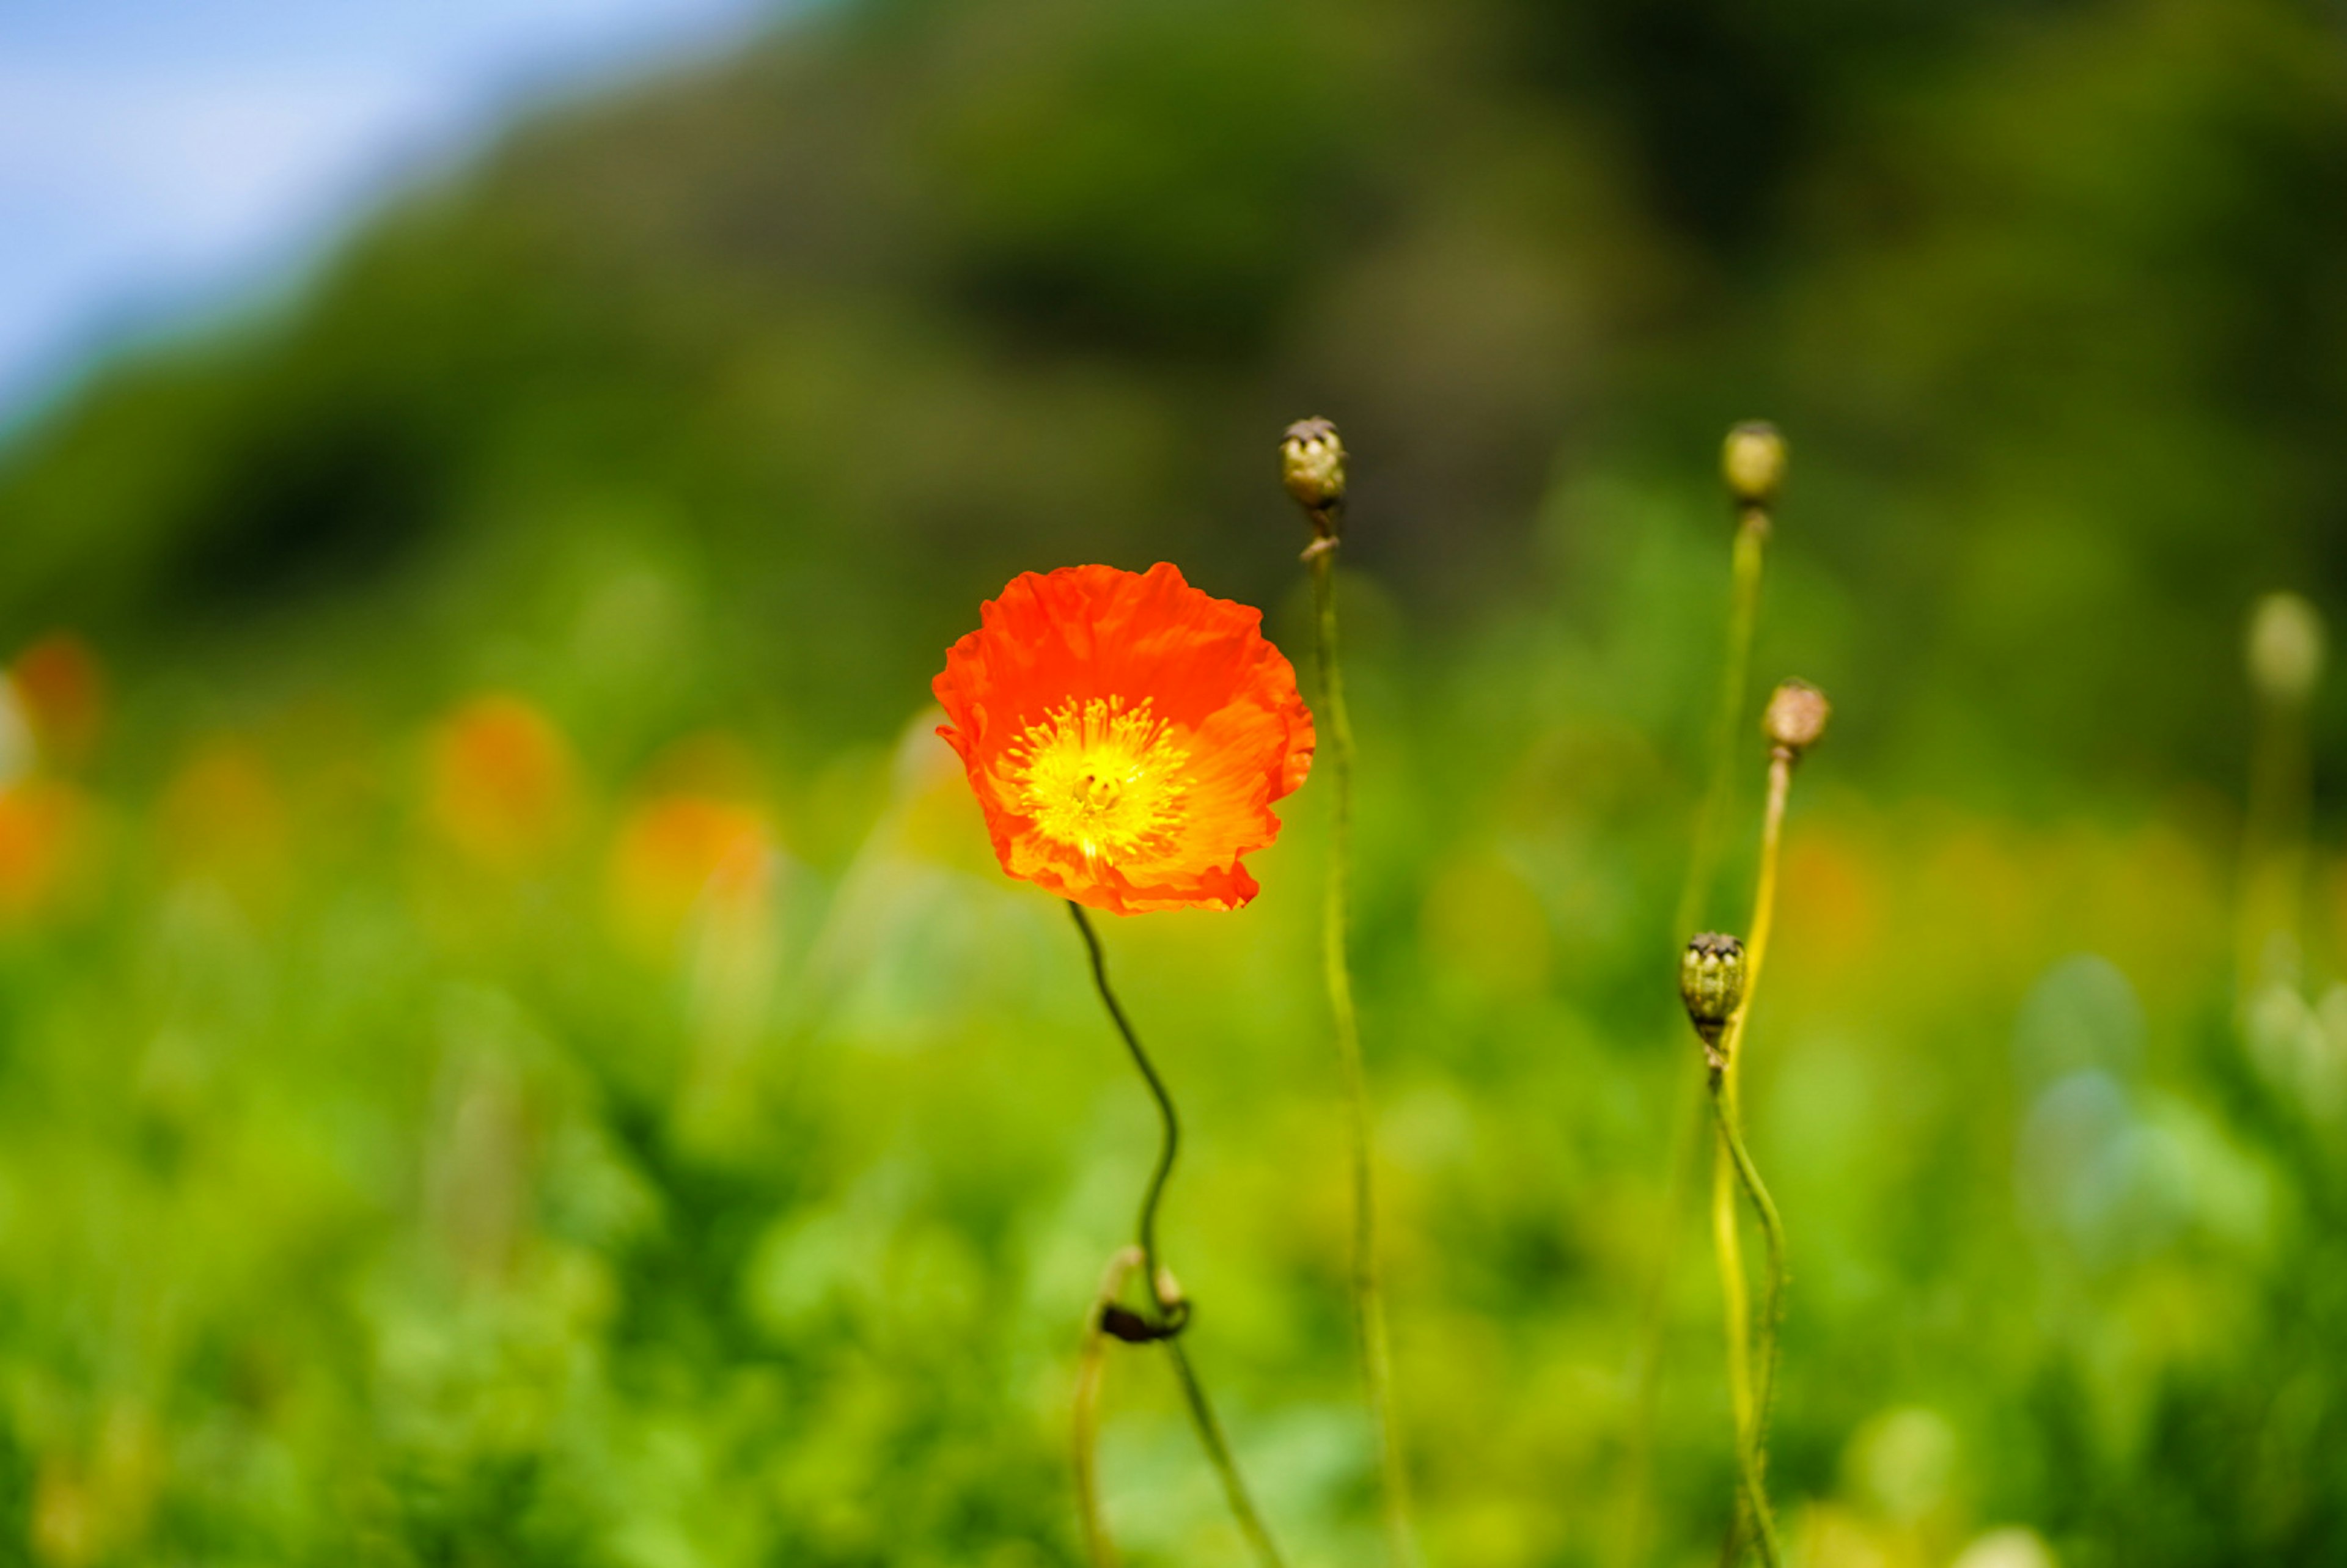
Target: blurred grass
436	1149
512	1048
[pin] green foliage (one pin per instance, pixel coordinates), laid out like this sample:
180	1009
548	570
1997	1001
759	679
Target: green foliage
636	1123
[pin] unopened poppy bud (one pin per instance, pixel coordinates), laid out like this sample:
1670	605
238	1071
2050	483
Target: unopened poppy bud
1312	465
1711	984
2285	648
1796	719
1752	461
1123	1323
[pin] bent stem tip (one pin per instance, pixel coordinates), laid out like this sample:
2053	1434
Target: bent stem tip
1092	1368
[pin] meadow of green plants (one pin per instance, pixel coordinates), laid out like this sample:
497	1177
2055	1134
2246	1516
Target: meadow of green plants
514	1048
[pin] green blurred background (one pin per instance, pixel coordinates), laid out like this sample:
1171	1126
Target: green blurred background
513	1049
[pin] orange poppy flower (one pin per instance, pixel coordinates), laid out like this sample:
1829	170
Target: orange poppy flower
1126	735
504	786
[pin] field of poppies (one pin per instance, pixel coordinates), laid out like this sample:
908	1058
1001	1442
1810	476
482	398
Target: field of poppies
629	824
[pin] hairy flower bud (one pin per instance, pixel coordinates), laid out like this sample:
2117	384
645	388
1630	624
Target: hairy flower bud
1752	461
1169	1291
1711	984
1312	465
2285	648
1796	719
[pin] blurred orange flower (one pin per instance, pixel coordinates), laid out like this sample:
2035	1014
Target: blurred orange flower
671	851
1126	735
503	787
63	690
43	825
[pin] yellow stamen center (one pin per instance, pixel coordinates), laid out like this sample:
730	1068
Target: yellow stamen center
1104	775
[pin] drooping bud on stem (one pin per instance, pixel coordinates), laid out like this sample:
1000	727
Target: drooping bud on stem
1752	461
2285	649
1711	984
1796	719
1312	466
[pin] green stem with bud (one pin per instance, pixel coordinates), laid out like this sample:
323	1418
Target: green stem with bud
1727	713
2285	650
1749	1393
1172	1312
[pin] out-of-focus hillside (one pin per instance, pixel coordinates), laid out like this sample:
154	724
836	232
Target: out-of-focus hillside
841	333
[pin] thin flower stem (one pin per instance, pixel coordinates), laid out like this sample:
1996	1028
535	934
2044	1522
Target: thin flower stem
2274	851
1772	1311
1749	1395
1173	1313
1736	1316
1764	904
1368	1293
1218	1450
1170	1143
2285	659
1751	1447
1743	616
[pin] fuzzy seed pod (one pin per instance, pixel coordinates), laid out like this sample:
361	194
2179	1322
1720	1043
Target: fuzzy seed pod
1796	719
1753	462
2285	648
1312	465
1711	984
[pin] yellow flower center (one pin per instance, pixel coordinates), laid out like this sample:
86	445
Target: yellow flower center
1102	775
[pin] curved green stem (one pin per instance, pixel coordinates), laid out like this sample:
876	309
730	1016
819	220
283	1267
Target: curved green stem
1752	1445
1173	1313
1368	1293
1749	1395
1169	1145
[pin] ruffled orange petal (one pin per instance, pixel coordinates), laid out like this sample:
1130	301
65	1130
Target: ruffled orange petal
1125	734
